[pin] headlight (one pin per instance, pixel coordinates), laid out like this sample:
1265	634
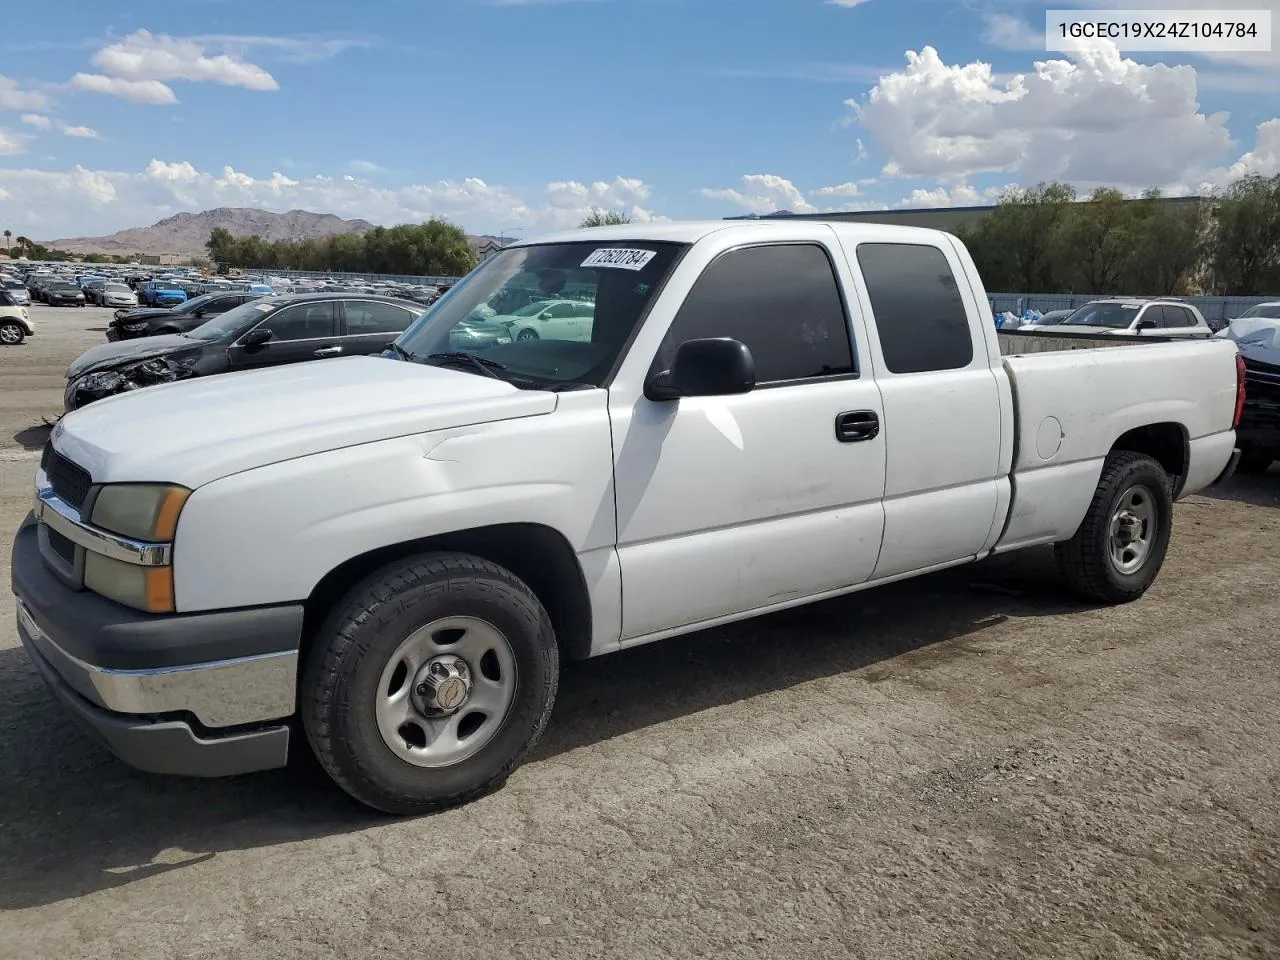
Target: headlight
149	589
103	380
141	511
135	326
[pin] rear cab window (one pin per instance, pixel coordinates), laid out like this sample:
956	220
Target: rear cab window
919	313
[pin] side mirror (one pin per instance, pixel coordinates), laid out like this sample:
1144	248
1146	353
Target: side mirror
1144	325
705	368
256	338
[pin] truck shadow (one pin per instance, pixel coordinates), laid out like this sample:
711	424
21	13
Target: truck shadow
1258	489
76	821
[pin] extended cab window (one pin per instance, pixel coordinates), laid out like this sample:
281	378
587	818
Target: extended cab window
919	315
783	301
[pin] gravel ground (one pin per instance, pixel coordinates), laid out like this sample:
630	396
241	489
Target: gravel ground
967	765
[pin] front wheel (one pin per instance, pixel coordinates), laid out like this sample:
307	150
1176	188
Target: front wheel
11	333
527	335
1120	546
429	682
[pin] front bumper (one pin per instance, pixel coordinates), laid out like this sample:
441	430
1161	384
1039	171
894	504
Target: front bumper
202	694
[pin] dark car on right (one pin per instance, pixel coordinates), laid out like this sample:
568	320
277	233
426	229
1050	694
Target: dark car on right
155	321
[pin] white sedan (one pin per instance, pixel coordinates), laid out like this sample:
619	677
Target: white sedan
550	320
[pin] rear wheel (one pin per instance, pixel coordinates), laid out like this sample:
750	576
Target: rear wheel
11	333
429	683
1120	546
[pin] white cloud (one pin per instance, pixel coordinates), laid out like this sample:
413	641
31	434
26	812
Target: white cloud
139	91
11	144
764	193
363	166
83	133
13	97
961	195
1093	118
143	56
83	202
1009	32
1263	160
37	121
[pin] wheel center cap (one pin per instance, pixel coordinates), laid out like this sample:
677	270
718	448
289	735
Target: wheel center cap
442	685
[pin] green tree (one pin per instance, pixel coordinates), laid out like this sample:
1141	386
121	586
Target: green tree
604	218
220	245
1246	236
7	235
1096	240
1017	247
1168	245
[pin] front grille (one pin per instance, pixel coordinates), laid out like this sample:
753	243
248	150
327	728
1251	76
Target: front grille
63	547
69	481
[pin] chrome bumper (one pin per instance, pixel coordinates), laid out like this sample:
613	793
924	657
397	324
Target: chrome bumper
221	693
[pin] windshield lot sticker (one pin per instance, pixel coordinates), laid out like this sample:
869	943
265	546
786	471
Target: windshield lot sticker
265	307
619	258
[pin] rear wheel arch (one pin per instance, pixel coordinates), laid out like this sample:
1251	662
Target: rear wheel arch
1168	443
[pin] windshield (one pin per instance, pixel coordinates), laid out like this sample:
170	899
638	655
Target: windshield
227	326
117	288
14	285
623	277
63	286
531	310
1115	315
1269	311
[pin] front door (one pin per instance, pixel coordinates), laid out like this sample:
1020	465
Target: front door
303	331
738	503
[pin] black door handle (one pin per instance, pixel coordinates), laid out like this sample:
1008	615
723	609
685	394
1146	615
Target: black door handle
857	425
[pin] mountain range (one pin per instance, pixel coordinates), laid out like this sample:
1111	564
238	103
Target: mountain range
185	234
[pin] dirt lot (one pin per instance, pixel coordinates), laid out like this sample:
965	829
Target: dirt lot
968	765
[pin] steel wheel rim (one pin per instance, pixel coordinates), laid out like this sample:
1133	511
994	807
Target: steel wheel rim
426	740
1134	527
9	333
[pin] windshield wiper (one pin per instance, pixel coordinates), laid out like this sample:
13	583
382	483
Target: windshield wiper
479	364
402	353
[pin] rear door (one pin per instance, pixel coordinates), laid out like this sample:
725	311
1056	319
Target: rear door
370	326
942	405
303	331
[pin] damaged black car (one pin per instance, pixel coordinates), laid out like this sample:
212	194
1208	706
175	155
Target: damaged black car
262	333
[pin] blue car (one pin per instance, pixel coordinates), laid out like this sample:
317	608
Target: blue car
160	293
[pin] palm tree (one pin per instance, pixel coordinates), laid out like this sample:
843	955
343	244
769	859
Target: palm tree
23	242
7	235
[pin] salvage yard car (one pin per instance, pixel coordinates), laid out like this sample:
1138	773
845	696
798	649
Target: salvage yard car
1165	318
153	321
399	551
264	332
15	320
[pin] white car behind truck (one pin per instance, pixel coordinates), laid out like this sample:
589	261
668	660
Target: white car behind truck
395	554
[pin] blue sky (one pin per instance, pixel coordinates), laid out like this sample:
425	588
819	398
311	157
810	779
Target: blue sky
520	116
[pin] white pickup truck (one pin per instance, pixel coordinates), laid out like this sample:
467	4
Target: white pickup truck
394	554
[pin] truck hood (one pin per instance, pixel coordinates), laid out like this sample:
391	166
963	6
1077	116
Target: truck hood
107	356
200	430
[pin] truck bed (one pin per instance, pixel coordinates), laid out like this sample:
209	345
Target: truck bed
1014	343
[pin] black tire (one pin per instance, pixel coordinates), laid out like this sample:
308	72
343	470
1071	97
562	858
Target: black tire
1254	462
527	335
11	333
1085	561
344	666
